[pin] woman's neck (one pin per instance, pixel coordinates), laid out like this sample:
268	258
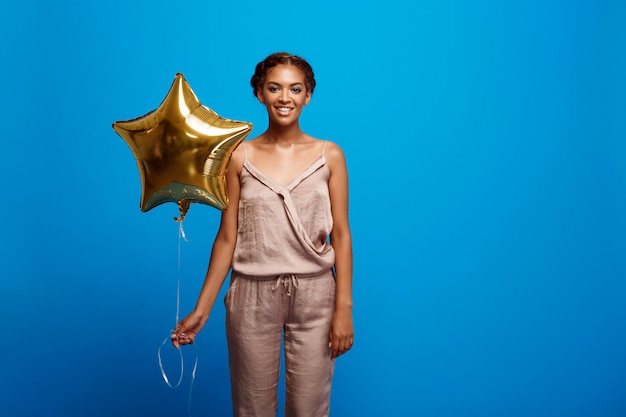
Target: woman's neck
283	134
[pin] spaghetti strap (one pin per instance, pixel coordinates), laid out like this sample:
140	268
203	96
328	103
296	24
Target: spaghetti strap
324	149
245	155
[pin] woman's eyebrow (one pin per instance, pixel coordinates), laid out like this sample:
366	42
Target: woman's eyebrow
291	85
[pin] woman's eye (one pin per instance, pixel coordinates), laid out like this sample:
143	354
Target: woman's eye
296	90
272	89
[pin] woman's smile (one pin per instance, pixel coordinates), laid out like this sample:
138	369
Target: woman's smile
284	111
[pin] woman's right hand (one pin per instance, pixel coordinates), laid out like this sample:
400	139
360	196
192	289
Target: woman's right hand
187	330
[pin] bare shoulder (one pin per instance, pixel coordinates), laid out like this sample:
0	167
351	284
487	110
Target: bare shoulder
237	157
334	155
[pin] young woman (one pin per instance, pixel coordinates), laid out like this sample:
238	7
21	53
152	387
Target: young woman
288	195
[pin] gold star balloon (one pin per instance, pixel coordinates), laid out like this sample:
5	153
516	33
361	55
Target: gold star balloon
182	150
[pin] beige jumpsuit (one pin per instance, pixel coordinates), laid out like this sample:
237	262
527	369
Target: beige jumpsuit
282	284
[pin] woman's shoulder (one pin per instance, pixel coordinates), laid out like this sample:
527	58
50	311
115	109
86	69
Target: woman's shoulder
332	151
237	157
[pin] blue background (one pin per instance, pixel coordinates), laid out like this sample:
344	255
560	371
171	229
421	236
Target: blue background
486	150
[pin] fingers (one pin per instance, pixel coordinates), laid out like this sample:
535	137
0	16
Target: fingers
340	345
179	337
183	339
187	330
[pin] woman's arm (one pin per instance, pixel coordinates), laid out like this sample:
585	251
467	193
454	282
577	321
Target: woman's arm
341	332
220	261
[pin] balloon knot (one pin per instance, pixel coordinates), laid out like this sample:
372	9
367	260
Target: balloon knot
183	207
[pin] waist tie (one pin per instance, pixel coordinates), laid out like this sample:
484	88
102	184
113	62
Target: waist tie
288	282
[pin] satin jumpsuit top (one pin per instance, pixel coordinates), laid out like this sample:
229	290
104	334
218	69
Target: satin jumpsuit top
284	229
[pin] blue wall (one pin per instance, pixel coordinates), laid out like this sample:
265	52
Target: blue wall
487	158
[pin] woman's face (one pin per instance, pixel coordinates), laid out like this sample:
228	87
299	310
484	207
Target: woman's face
284	94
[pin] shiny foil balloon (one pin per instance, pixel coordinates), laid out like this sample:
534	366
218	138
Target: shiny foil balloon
182	150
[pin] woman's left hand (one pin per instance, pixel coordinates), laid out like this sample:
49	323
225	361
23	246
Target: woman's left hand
341	332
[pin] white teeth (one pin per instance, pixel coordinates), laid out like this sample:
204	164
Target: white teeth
284	109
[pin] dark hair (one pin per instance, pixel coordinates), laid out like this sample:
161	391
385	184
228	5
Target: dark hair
281	58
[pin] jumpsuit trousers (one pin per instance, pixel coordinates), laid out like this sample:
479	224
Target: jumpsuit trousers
260	311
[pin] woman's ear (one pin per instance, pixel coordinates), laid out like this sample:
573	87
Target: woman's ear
308	97
259	95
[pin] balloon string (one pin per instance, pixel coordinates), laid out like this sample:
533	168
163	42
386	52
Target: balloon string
167	340
181	234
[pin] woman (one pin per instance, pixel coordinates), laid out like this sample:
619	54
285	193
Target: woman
288	194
